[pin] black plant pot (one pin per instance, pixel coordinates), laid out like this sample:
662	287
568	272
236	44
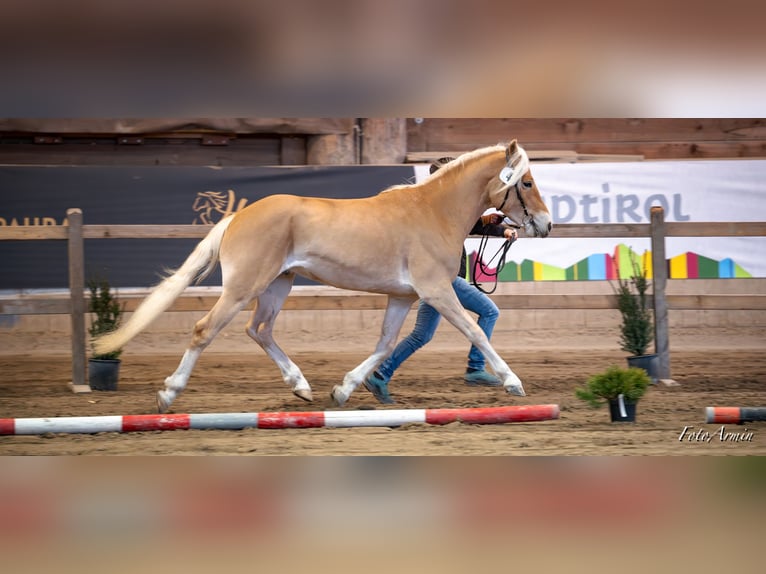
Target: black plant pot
103	374
626	414
649	363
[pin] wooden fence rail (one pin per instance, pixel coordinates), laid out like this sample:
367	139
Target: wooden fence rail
330	299
73	303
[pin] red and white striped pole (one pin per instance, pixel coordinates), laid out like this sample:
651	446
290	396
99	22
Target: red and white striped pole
277	420
734	415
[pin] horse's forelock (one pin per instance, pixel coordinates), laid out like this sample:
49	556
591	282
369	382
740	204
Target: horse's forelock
519	161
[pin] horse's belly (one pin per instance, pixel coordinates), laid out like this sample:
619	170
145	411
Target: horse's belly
372	280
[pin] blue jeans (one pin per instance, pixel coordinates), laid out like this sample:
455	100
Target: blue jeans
428	319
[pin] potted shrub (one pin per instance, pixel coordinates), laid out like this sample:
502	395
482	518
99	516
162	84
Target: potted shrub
106	313
637	327
620	388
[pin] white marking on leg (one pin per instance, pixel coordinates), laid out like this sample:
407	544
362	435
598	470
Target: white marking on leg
260	329
205	331
176	382
291	373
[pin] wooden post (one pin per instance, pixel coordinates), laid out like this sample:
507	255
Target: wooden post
384	140
332	149
660	280
76	286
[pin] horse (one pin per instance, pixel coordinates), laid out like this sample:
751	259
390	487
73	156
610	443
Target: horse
401	243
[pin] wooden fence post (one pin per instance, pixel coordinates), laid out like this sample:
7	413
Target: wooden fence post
384	140
660	280
76	256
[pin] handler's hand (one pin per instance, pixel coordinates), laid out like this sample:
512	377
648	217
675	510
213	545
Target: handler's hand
511	235
492	219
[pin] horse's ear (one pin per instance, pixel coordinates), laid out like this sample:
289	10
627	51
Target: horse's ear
510	150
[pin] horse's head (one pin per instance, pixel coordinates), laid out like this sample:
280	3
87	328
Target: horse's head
513	192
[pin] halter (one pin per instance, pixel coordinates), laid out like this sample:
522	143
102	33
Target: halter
507	220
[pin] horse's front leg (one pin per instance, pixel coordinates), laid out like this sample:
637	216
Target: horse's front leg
448	305
396	312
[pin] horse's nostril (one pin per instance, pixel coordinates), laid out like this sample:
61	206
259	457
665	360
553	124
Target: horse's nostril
550	226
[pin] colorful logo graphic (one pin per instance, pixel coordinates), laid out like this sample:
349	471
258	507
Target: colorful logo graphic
603	266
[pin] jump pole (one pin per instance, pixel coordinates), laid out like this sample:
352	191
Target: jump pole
277	420
734	415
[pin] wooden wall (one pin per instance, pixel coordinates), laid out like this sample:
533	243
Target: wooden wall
346	141
194	142
650	138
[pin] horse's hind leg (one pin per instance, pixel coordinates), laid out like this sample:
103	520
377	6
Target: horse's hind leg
396	312
225	309
260	330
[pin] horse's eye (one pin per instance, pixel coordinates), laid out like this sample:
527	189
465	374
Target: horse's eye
527	184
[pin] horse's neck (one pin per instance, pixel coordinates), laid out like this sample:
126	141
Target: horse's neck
467	195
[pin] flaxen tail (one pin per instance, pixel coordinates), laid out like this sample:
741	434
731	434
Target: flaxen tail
197	266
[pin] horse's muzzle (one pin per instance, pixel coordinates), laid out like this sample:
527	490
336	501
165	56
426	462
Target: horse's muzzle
539	228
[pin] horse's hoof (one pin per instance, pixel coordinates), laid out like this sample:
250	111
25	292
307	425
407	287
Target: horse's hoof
338	396
304	394
162	404
517	390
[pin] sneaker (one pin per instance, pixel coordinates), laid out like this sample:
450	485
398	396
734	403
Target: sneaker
378	386
481	379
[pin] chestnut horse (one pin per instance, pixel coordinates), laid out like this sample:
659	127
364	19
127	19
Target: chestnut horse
402	243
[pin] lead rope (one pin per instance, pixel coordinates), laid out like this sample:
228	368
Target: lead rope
485	268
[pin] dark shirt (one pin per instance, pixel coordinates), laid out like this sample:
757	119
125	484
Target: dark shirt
480	229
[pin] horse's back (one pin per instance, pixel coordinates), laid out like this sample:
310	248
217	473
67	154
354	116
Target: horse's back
349	243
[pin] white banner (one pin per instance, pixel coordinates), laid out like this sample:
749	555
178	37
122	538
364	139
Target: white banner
698	191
